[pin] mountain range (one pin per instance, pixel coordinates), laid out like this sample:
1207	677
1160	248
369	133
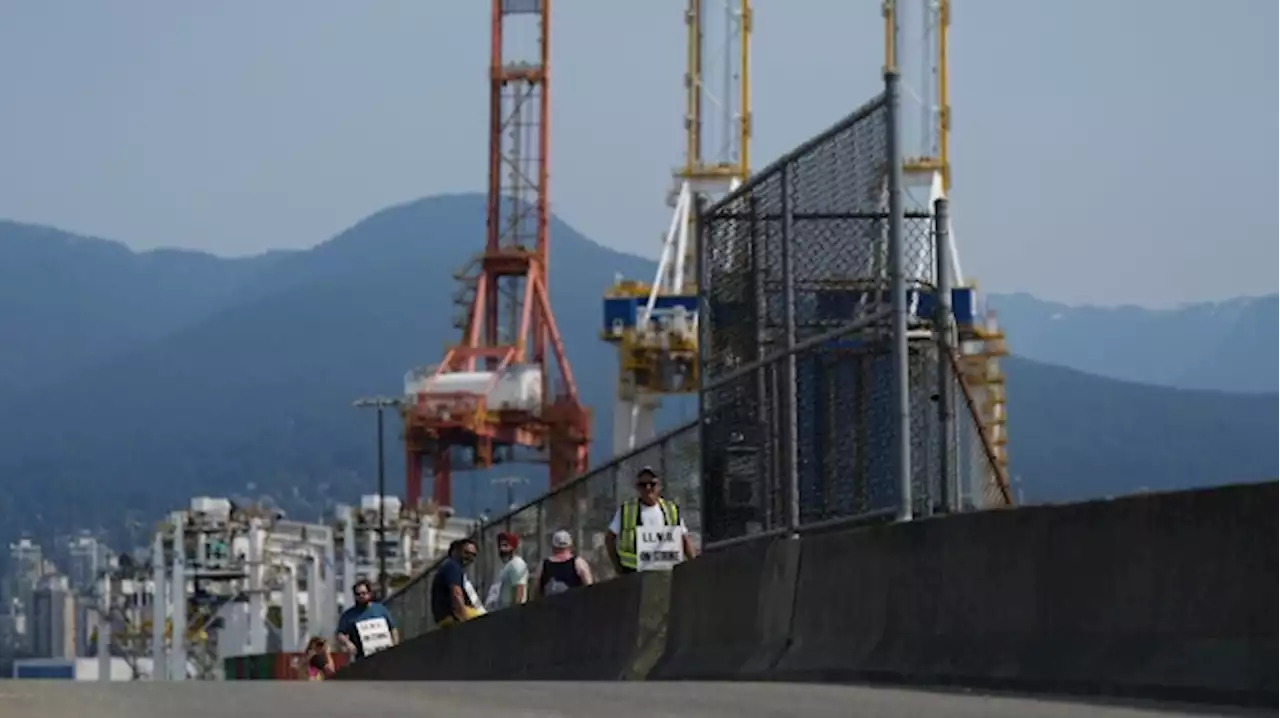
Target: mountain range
130	381
1228	345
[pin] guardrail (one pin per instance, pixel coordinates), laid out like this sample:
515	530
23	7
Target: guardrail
582	507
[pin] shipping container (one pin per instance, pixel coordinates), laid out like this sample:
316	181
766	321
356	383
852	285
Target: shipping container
79	669
271	666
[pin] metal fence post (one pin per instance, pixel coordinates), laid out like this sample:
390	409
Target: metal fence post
709	486
540	526
944	329
581	502
663	466
790	437
768	475
898	287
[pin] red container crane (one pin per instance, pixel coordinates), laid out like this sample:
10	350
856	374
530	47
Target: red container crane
507	385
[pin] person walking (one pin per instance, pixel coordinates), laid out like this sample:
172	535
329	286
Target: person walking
649	510
564	569
366	627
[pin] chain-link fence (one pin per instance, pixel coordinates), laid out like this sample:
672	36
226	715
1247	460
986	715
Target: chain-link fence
583	507
803	251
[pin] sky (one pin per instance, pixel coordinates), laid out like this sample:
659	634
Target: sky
1105	151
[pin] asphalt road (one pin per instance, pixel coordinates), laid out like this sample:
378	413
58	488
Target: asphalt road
63	699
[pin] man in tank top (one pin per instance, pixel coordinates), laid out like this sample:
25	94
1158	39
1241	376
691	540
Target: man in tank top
564	570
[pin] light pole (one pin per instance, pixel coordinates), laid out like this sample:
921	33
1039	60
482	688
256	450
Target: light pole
379	403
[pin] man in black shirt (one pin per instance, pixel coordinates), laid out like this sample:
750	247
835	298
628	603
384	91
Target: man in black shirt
453	598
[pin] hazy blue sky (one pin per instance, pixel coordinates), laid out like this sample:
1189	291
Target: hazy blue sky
1105	150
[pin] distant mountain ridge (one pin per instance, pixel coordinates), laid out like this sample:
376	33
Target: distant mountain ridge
1229	345
243	385
68	302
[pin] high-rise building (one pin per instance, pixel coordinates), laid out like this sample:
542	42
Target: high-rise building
26	566
53	619
13	627
86	557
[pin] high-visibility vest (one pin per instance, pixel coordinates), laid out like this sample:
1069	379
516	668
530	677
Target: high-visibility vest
630	518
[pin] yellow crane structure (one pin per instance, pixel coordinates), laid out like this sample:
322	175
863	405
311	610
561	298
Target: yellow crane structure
927	177
655	325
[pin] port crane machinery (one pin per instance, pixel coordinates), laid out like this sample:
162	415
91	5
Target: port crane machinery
504	391
927	176
654	325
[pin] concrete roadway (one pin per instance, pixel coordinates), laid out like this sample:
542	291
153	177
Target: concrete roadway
250	699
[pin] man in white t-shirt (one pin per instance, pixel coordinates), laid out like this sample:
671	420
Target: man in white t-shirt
647	510
511	587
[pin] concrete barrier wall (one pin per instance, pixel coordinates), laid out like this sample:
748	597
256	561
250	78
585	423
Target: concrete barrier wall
1161	596
1168	595
731	612
610	631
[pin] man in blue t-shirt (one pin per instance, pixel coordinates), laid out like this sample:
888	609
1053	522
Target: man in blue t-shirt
366	628
453	598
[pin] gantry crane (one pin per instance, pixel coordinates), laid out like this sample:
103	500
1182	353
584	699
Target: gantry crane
927	177
655	326
505	391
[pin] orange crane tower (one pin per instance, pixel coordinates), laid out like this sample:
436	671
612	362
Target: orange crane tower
505	392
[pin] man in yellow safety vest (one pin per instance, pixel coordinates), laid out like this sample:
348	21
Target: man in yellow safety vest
647	532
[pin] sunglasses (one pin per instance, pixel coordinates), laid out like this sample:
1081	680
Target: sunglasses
646	484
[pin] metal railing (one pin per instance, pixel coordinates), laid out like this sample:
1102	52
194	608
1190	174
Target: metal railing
583	507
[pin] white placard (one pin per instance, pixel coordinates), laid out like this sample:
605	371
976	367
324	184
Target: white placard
472	595
659	548
375	635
